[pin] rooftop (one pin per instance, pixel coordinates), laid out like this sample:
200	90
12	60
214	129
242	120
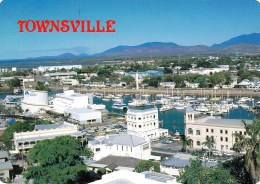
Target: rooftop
119	161
6	166
54	126
3	154
119	139
80	110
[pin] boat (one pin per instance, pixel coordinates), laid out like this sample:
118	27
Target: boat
98	106
119	105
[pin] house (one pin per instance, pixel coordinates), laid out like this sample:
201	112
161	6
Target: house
6	167
125	145
23	141
175	164
168	84
113	163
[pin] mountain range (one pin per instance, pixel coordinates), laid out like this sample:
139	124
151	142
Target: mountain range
243	44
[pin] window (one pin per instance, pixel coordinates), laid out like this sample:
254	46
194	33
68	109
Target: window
240	132
226	139
221	131
140	126
131	149
198	143
212	130
226	132
122	148
244	133
190	131
139	118
207	130
153	116
197	132
221	138
97	149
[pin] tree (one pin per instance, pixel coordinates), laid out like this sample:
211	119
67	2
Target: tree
167	70
152	81
41	86
209	143
237	168
196	174
186	142
7	137
251	144
128	79
15	82
56	161
147	165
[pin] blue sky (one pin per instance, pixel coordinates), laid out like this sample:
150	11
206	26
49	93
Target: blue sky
185	22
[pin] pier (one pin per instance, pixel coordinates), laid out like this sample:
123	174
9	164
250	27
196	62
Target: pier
234	92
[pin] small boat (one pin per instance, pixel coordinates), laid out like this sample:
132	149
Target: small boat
119	105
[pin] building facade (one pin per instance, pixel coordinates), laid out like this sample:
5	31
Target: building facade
24	141
142	120
121	145
220	130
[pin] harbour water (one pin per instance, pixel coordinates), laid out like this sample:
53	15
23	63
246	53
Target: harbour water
173	119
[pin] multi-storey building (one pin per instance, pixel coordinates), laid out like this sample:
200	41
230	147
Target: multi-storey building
142	120
220	130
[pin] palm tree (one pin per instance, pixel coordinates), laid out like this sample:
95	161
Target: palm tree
186	141
251	144
209	143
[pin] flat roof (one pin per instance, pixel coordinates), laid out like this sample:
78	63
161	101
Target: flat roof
119	139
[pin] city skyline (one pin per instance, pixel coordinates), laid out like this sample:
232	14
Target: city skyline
184	22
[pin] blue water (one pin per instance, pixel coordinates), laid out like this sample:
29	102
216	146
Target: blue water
173	120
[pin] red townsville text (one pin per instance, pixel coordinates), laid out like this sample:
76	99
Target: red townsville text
66	26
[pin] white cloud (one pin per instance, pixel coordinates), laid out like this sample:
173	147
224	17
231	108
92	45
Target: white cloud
1	1
258	1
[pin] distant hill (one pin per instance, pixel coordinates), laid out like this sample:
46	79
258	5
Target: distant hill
243	44
248	39
64	56
153	48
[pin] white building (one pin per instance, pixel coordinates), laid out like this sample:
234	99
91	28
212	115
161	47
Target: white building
207	71
70	82
121	145
128	177
34	101
61	75
142	120
56	68
84	116
26	140
220	130
68	100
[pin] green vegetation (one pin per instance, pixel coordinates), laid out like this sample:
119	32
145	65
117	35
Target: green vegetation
15	82
196	173
128	79
57	161
251	144
147	165
7	137
209	144
41	86
186	142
